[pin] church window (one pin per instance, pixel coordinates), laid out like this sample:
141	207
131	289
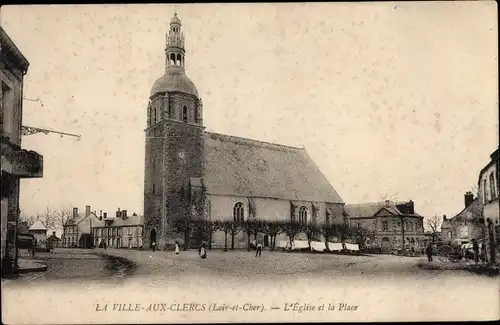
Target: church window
185	114
178	59
385	226
485	198
154	115
303	215
493	194
239	212
172	59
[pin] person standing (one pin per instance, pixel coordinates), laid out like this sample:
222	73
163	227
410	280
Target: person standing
475	248
428	251
258	251
203	251
153	245
177	249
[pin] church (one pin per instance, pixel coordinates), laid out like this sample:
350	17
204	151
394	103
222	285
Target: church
192	173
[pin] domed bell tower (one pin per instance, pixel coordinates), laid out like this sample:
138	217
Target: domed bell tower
173	186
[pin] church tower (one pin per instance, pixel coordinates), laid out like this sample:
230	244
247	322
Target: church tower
173	187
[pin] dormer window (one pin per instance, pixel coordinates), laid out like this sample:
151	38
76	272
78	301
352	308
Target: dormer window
185	114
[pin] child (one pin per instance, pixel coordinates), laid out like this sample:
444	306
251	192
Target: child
177	249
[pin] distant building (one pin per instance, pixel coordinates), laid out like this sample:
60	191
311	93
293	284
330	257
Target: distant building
466	225
119	231
39	232
53	241
488	193
391	223
16	163
77	230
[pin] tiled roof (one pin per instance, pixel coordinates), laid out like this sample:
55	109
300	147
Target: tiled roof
243	167
366	210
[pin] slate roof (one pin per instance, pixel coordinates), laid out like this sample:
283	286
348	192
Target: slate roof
475	209
244	167
367	210
131	220
37	226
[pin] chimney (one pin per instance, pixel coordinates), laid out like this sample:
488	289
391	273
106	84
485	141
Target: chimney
54	233
387	203
134	214
468	198
100	214
75	213
444	217
124	214
105	215
87	210
411	207
118	213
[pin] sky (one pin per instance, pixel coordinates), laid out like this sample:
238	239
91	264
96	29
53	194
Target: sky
391	100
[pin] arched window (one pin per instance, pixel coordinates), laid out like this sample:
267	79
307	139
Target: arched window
303	215
154	114
169	111
172	59
179	58
239	212
493	194
185	114
485	197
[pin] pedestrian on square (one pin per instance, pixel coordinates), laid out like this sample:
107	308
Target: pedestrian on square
104	245
203	251
258	251
177	249
475	248
428	251
154	246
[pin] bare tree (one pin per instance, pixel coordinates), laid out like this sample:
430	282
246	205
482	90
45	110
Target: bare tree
62	215
48	218
434	223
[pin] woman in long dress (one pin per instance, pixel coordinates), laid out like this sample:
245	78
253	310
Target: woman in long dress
203	251
177	249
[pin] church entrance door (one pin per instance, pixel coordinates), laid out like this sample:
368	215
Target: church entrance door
266	241
152	238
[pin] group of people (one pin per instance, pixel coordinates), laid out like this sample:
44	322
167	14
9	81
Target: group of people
429	251
202	251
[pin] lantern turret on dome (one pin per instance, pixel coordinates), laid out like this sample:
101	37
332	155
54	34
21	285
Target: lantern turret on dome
174	79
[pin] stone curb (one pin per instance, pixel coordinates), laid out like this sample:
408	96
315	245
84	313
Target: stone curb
478	269
41	268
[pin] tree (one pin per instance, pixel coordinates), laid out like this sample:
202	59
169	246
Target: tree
226	227
236	227
48	218
291	228
62	215
23	217
434	223
328	230
312	230
273	229
361	235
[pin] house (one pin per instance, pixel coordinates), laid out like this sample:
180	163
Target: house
392	224
39	232
16	163
119	231
466	225
489	189
194	174
53	241
77	230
